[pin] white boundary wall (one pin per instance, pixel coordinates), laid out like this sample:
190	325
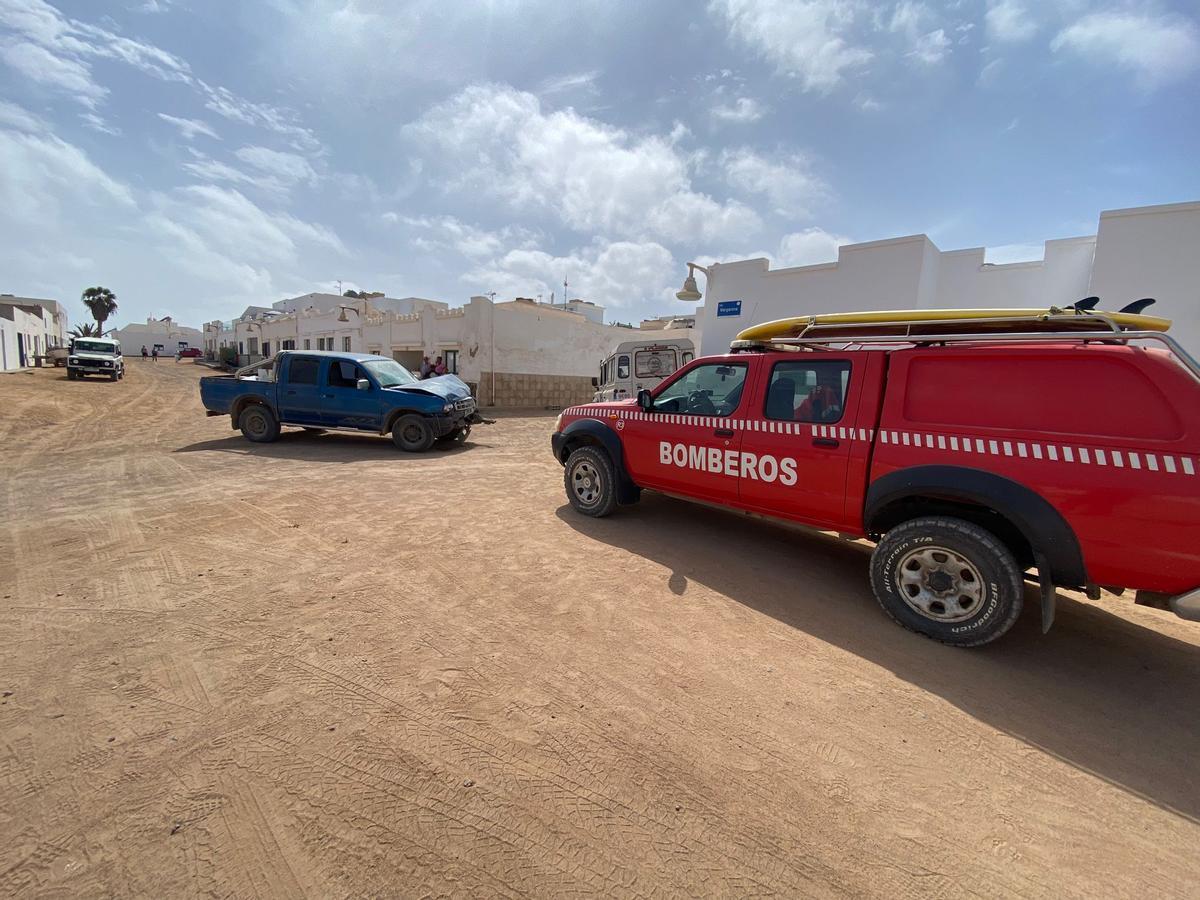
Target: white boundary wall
1144	252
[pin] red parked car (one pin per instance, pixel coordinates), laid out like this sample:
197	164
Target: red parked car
189	352
969	461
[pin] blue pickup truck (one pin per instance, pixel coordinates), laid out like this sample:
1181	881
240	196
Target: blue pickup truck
321	391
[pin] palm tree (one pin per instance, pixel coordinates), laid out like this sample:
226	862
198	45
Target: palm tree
102	302
87	329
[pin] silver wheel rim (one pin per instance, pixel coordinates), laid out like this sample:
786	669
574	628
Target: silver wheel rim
586	483
940	584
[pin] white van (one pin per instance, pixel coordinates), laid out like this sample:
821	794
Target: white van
640	364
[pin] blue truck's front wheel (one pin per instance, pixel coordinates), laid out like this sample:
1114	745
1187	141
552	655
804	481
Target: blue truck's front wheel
413	433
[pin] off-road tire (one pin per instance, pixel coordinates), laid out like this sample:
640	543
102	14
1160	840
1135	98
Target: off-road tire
1001	592
258	424
113	377
72	375
412	433
591	482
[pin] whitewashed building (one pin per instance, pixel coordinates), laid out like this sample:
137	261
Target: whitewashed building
515	353
29	326
1144	252
166	334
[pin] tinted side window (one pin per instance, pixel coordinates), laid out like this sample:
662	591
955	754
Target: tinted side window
712	390
303	370
809	391
344	374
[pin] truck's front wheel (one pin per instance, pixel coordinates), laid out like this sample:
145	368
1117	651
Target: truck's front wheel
258	424
413	434
947	579
591	482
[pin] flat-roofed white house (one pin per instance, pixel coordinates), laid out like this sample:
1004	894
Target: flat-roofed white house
515	353
166	334
1143	252
29	326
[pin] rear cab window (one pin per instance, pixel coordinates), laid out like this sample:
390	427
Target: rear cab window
303	369
808	390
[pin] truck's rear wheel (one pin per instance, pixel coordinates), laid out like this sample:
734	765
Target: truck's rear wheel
947	579
591	482
258	424
412	434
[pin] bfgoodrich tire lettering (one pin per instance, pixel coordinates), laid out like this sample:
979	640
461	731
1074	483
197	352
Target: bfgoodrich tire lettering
962	555
590	481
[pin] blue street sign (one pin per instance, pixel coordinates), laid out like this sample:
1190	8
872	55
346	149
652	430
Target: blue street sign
729	308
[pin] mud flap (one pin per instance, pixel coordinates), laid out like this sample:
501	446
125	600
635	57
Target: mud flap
1049	594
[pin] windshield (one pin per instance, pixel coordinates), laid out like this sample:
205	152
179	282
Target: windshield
388	372
94	347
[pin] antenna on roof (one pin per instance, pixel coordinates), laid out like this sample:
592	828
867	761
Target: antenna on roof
1137	306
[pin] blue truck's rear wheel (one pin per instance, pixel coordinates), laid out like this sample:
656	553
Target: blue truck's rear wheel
258	424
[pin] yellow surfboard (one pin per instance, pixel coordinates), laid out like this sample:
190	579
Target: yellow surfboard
932	321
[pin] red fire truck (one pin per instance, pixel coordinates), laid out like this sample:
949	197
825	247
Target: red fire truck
971	450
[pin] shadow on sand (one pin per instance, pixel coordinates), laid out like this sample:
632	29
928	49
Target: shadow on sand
1104	694
334	446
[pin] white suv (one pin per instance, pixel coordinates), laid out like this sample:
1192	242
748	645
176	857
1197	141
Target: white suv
95	356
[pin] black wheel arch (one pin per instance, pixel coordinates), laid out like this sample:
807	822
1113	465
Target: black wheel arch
241	403
592	432
393	414
1018	515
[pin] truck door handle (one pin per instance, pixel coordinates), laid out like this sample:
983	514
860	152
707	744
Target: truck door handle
724	432
292	393
826	442
327	396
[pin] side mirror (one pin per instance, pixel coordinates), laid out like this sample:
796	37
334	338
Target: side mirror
363	385
595	382
644	401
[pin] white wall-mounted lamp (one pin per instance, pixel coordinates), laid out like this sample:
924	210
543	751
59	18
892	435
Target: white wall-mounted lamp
342	317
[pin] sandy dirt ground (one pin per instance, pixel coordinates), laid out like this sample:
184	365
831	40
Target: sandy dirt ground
322	668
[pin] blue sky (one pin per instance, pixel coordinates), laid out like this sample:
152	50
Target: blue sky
197	156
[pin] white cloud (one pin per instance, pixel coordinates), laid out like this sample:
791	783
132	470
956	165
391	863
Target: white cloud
98	123
910	20
1008	21
56	51
40	65
14	116
743	109
286	167
786	181
617	275
40	175
1159	50
225	103
593	177
807	39
810	246
867	103
448	232
189	128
